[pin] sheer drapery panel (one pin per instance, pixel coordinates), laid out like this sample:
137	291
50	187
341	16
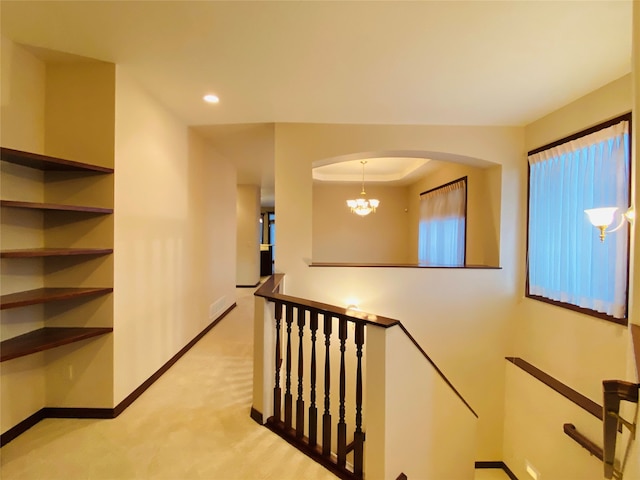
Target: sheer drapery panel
441	232
567	262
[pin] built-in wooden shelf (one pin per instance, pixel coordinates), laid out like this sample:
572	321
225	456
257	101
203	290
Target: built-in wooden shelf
44	295
53	206
53	252
45	339
45	162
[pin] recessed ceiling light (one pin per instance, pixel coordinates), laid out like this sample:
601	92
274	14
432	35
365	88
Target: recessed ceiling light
211	98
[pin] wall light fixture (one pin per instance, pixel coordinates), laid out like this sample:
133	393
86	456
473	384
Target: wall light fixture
601	218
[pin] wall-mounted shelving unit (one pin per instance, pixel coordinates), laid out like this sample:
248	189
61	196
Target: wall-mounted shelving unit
45	338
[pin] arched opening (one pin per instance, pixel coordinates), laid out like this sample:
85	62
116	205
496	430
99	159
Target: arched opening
396	179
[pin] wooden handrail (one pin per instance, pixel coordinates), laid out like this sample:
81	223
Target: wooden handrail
270	286
270	291
583	441
614	391
292	416
569	393
435	367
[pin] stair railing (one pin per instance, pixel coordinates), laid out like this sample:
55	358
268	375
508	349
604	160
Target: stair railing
615	391
320	409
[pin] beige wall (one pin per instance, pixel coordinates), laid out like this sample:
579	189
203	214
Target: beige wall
23	97
22	127
80	98
79	106
415	423
577	349
248	235
534	419
543	329
174	253
633	469
455	333
341	236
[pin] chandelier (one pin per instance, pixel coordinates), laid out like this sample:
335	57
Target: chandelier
361	206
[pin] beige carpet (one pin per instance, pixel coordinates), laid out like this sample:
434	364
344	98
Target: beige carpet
193	423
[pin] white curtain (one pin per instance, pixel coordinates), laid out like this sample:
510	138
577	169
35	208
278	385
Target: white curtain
567	261
441	235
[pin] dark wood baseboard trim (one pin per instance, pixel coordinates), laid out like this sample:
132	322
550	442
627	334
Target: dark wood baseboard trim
508	471
21	427
105	413
248	286
315	453
53	412
256	416
480	465
569	393
56	412
500	465
151	380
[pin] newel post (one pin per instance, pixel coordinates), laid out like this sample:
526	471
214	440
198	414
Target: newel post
375	402
264	326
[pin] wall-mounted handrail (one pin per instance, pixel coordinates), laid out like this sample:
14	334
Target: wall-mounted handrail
614	391
569	393
584	442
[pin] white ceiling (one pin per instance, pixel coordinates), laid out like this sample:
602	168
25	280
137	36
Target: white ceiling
384	62
389	170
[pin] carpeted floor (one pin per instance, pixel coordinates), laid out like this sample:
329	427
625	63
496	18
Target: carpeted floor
193	423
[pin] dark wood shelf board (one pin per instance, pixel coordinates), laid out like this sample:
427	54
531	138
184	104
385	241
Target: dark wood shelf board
53	252
45	339
44	295
45	162
53	206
